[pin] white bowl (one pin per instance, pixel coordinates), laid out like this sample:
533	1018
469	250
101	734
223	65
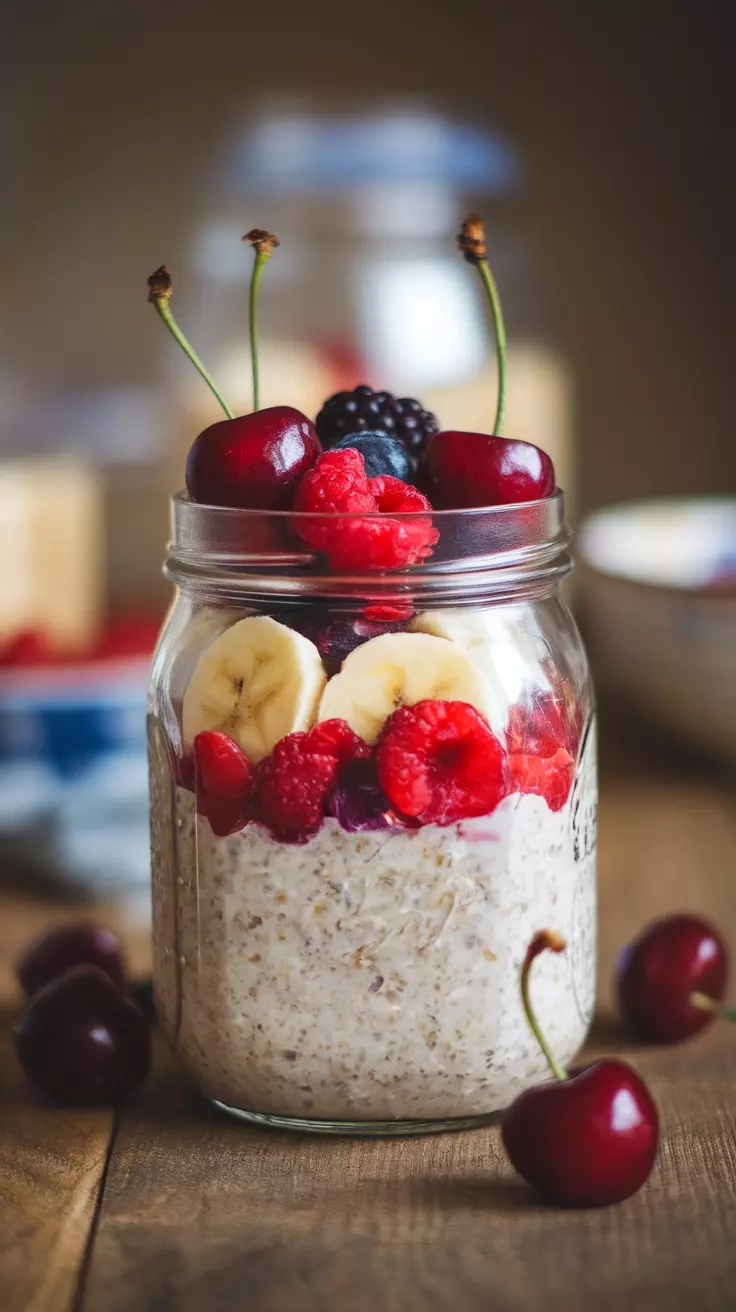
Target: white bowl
661	634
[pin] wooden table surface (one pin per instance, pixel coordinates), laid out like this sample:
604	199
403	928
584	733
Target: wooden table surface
170	1206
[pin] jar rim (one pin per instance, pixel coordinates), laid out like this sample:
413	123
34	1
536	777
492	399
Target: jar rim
236	551
508	511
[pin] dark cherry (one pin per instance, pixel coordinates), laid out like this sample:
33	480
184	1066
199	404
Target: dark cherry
472	469
71	945
253	461
587	1141
143	995
82	1041
584	1140
359	803
336	637
660	970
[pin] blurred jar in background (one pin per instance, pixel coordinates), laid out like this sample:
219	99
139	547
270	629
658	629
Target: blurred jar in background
367	285
73	794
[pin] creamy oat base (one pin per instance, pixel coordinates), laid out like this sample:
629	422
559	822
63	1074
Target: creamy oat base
375	976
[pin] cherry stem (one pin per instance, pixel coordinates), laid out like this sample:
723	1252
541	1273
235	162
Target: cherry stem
500	334
258	267
263	243
545	940
719	1009
472	243
159	295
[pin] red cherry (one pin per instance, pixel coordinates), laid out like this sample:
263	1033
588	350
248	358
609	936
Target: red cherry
254	461
659	971
70	945
81	1040
472	469
225	782
584	1140
587	1141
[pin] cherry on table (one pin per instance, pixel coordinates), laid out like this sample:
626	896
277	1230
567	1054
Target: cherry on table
83	1041
657	975
586	1139
253	461
468	470
70	945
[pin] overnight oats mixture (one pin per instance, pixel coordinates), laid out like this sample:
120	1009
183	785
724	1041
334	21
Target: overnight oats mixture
364	807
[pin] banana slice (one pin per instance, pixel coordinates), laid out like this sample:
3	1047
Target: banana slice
257	682
399	669
507	655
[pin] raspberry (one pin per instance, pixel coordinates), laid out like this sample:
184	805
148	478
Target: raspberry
389	612
294	784
440	762
338	484
335	738
542	741
549	777
224	781
353	412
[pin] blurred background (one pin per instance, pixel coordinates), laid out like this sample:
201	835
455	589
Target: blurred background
598	142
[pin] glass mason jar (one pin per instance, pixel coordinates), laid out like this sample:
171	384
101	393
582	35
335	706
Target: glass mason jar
357	971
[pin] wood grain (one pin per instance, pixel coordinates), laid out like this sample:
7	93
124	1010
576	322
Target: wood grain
202	1215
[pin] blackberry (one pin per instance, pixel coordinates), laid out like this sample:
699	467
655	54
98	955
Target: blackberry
346	413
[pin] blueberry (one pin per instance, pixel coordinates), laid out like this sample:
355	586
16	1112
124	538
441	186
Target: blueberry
381	454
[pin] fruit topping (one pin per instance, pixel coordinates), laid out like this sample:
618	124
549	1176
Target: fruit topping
440	762
293	787
335	738
465	470
359	803
381	454
347	413
542	742
471	469
658	974
294	784
70	945
389	612
336	637
399	669
225	782
584	1140
254	462
257	682
82	1041
338	485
